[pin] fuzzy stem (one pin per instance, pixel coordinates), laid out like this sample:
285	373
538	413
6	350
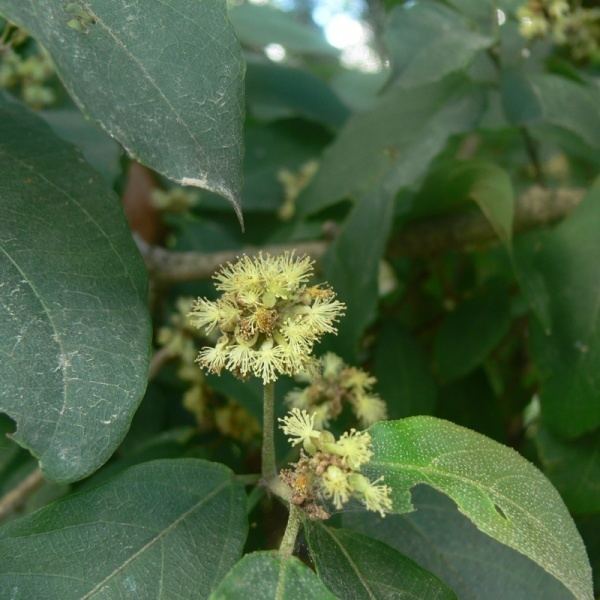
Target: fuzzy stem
288	542
269	469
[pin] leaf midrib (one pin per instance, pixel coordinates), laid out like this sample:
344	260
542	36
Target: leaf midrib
58	337
158	537
488	492
351	563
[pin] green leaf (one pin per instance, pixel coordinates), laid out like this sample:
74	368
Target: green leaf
258	26
558	271
492	191
11	456
541	99
278	92
272	148
73	313
15	466
359	90
427	41
471	332
574	468
267	575
165	79
376	154
505	496
355	566
248	393
443	541
99	149
351	266
485	9
169	528
452	185
403	377
471	402
589	527
391	146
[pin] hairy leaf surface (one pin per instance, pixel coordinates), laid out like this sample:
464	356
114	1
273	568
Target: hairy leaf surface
163	78
442	540
164	529
269	575
355	566
499	491
73	313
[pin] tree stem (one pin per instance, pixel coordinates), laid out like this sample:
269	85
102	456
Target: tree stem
269	468
419	240
288	542
19	495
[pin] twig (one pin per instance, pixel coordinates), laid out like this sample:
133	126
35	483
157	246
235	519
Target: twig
250	479
288	542
14	499
158	361
536	207
17	497
269	463
171	267
466	231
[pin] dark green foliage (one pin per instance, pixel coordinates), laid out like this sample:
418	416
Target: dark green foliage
444	173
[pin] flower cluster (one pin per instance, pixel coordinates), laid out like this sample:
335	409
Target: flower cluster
28	75
332	384
179	341
267	318
575	27
329	469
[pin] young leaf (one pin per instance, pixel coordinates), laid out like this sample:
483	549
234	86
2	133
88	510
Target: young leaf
452	185
442	540
558	271
98	148
269	575
499	491
390	146
163	529
427	41
73	313
351	265
278	92
573	466
258	26
376	154
492	191
355	566
163	78
471	332
541	99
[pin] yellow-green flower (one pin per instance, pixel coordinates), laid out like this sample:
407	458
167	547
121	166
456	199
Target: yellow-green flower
329	469
300	426
332	384
267	316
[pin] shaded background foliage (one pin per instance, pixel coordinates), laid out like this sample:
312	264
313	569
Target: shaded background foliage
440	165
